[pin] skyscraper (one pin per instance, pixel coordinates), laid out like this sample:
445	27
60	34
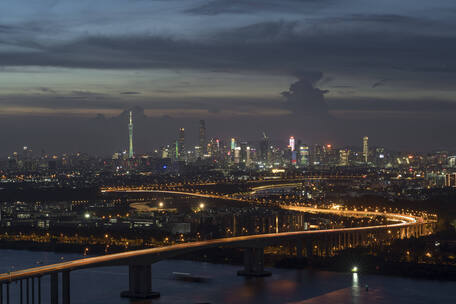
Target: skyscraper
292	147
365	148
130	133
292	143
343	157
181	144
202	137
264	148
304	155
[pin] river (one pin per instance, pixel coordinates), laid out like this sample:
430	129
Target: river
103	285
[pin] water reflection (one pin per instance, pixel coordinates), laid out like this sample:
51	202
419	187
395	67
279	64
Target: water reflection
99	286
355	290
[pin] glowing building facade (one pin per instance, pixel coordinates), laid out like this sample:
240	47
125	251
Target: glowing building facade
130	134
365	149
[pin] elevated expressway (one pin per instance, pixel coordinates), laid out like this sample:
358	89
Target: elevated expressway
310	242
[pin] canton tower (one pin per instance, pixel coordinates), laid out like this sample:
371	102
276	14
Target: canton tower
130	133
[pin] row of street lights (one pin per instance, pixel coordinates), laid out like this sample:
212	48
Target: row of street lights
201	205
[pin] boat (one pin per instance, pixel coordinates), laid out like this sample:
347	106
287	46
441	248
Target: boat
188	277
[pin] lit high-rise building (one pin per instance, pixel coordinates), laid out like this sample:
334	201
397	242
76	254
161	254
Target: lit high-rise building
237	155
181	144
365	149
318	154
343	157
248	157
304	155
292	143
130	134
264	148
450	180
202	137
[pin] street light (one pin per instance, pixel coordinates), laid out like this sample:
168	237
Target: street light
160	204
201	206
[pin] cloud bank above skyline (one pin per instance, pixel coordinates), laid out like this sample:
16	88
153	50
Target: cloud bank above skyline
386	62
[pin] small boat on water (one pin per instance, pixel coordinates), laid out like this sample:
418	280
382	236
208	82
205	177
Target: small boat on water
188	277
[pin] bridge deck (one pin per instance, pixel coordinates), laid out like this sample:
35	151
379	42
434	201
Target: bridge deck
153	255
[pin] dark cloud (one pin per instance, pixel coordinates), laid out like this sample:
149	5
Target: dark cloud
275	47
6	28
85	93
77	100
342	87
304	97
130	93
380	83
260	32
47	90
377	105
217	7
383	19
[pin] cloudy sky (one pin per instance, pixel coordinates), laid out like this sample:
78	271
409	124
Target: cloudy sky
322	70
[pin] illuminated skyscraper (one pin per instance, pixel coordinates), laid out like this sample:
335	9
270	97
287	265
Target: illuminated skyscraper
450	180
181	144
343	157
233	144
202	137
304	155
292	143
365	148
248	157
130	133
292	147
264	148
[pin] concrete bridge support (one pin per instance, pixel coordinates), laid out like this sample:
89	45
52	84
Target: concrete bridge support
254	263
55	288
39	290
66	287
4	294
140	283
309	248
28	286
299	249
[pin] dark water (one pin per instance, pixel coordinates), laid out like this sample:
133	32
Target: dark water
103	285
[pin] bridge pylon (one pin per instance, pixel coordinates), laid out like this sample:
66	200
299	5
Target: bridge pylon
140	283
254	263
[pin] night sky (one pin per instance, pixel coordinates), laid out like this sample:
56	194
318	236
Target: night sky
325	71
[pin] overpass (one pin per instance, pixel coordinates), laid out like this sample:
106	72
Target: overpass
315	242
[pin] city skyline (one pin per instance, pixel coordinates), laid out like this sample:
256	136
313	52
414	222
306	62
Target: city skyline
194	138
327	69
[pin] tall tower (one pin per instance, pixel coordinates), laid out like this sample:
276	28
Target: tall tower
365	148
292	143
202	137
264	148
130	133
292	146
181	144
